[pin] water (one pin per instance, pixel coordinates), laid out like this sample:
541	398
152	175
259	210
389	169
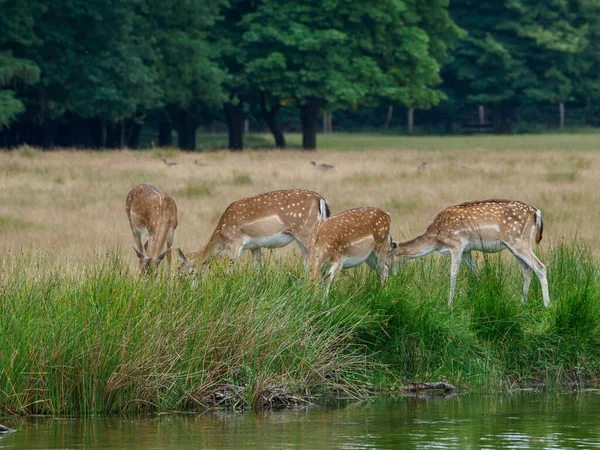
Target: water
524	421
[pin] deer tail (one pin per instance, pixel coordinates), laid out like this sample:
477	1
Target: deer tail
539	226
324	211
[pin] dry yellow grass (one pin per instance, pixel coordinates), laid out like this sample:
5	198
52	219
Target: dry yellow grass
72	202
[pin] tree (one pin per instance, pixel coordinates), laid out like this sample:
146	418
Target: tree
16	33
187	74
517	52
334	53
586	66
95	73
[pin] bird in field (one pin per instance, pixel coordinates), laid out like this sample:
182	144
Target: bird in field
321	166
169	163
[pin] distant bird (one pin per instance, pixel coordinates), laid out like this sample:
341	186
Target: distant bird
321	166
169	163
198	163
422	166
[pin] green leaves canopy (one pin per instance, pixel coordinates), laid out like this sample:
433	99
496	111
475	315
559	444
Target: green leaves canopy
348	53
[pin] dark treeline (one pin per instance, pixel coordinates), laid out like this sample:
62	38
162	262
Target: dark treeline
93	74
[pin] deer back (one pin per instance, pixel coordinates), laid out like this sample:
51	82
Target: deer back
292	211
147	206
353	232
488	220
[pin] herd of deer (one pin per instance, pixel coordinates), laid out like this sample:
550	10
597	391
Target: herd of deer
331	243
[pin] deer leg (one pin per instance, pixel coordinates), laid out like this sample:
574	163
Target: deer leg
334	269
137	237
377	261
468	259
526	278
456	255
304	252
257	257
542	273
538	267
237	253
170	236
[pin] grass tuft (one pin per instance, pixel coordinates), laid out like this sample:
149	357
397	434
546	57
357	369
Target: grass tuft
99	340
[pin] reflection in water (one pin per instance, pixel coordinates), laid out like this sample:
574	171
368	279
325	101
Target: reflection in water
460	422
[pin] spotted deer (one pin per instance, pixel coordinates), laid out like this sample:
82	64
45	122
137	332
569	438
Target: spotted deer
151	212
488	226
349	239
270	220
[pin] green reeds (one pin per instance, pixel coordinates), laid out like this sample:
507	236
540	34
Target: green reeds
98	340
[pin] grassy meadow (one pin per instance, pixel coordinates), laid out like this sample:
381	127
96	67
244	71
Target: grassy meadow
81	334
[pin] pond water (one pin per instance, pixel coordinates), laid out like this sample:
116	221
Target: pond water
565	421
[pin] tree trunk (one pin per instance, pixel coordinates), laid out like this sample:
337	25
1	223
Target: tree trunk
165	133
308	118
410	118
186	130
390	115
49	129
270	116
561	110
327	122
500	125
235	125
481	113
103	133
133	141
121	143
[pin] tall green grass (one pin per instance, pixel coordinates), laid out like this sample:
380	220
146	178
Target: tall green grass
102	341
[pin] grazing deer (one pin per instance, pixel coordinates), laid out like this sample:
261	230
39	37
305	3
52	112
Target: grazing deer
270	220
151	212
489	226
349	239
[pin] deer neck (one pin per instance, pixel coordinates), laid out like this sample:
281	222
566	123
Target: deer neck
159	238
417	247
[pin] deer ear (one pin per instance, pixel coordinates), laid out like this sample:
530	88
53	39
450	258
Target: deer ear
163	254
139	254
181	255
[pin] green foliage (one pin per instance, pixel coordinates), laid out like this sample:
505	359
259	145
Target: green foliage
16	32
520	52
108	342
348	53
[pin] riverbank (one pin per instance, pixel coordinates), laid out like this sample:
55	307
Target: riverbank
96	340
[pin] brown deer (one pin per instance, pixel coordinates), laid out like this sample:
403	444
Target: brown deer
270	220
349	239
488	226
151	212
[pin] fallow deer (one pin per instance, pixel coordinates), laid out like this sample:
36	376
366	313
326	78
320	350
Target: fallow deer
489	226
349	239
151	212
270	220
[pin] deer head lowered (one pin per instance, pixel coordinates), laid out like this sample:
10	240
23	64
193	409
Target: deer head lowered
349	239
151	212
488	226
270	220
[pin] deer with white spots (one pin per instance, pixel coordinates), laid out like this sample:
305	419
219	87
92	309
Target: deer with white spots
349	239
488	226
270	220
151	212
